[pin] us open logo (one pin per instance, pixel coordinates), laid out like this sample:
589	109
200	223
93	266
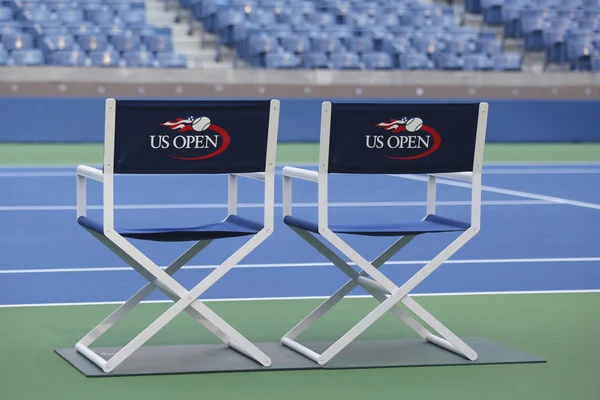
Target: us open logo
201	139
410	139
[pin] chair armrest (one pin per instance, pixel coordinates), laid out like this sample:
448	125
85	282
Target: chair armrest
291	172
300	173
232	188
252	175
83	173
459	176
90	172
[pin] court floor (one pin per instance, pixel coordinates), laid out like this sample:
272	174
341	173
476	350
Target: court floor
530	279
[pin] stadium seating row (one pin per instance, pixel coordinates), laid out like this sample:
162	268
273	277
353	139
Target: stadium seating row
102	33
568	31
368	34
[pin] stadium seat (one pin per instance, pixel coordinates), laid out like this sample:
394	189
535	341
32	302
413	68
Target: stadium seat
377	60
314	60
492	12
477	62
125	42
92	42
284	60
6	14
104	59
159	43
27	57
17	41
3	56
67	58
58	42
233	149
345	60
139	59
440	140
595	63
71	15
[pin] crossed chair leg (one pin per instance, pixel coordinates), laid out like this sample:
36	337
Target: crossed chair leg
183	300
383	290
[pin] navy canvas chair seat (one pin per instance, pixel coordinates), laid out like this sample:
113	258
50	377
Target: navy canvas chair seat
430	224
162	137
439	140
232	226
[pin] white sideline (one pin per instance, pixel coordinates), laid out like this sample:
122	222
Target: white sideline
510	192
489	169
303	265
496	293
278	205
506	171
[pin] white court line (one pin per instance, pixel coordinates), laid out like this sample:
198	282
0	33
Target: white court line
278	205
104	303
540	171
489	171
516	193
306	265
313	164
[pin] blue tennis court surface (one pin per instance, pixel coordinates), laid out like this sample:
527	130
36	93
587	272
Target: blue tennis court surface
540	229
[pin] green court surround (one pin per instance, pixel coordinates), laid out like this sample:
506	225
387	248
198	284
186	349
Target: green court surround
69	154
560	328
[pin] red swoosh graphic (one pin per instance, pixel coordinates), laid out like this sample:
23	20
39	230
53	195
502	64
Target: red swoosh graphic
437	140
226	140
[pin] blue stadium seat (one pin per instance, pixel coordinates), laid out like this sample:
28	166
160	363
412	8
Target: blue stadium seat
71	15
450	62
377	60
100	15
10	27
125	42
360	45
415	61
6	14
477	62
139	59
283	60
324	43
3	56
345	60
104	59
17	41
67	58
28	57
555	43
83	27
159	44
93	42
133	18
579	53
58	42
492	12
595	63
315	60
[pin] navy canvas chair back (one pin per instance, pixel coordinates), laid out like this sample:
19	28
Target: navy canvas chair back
189	137
401	138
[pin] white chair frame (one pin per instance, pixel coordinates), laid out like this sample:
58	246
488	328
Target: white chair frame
183	300
388	294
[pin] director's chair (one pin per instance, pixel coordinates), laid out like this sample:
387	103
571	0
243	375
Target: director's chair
237	138
440	140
